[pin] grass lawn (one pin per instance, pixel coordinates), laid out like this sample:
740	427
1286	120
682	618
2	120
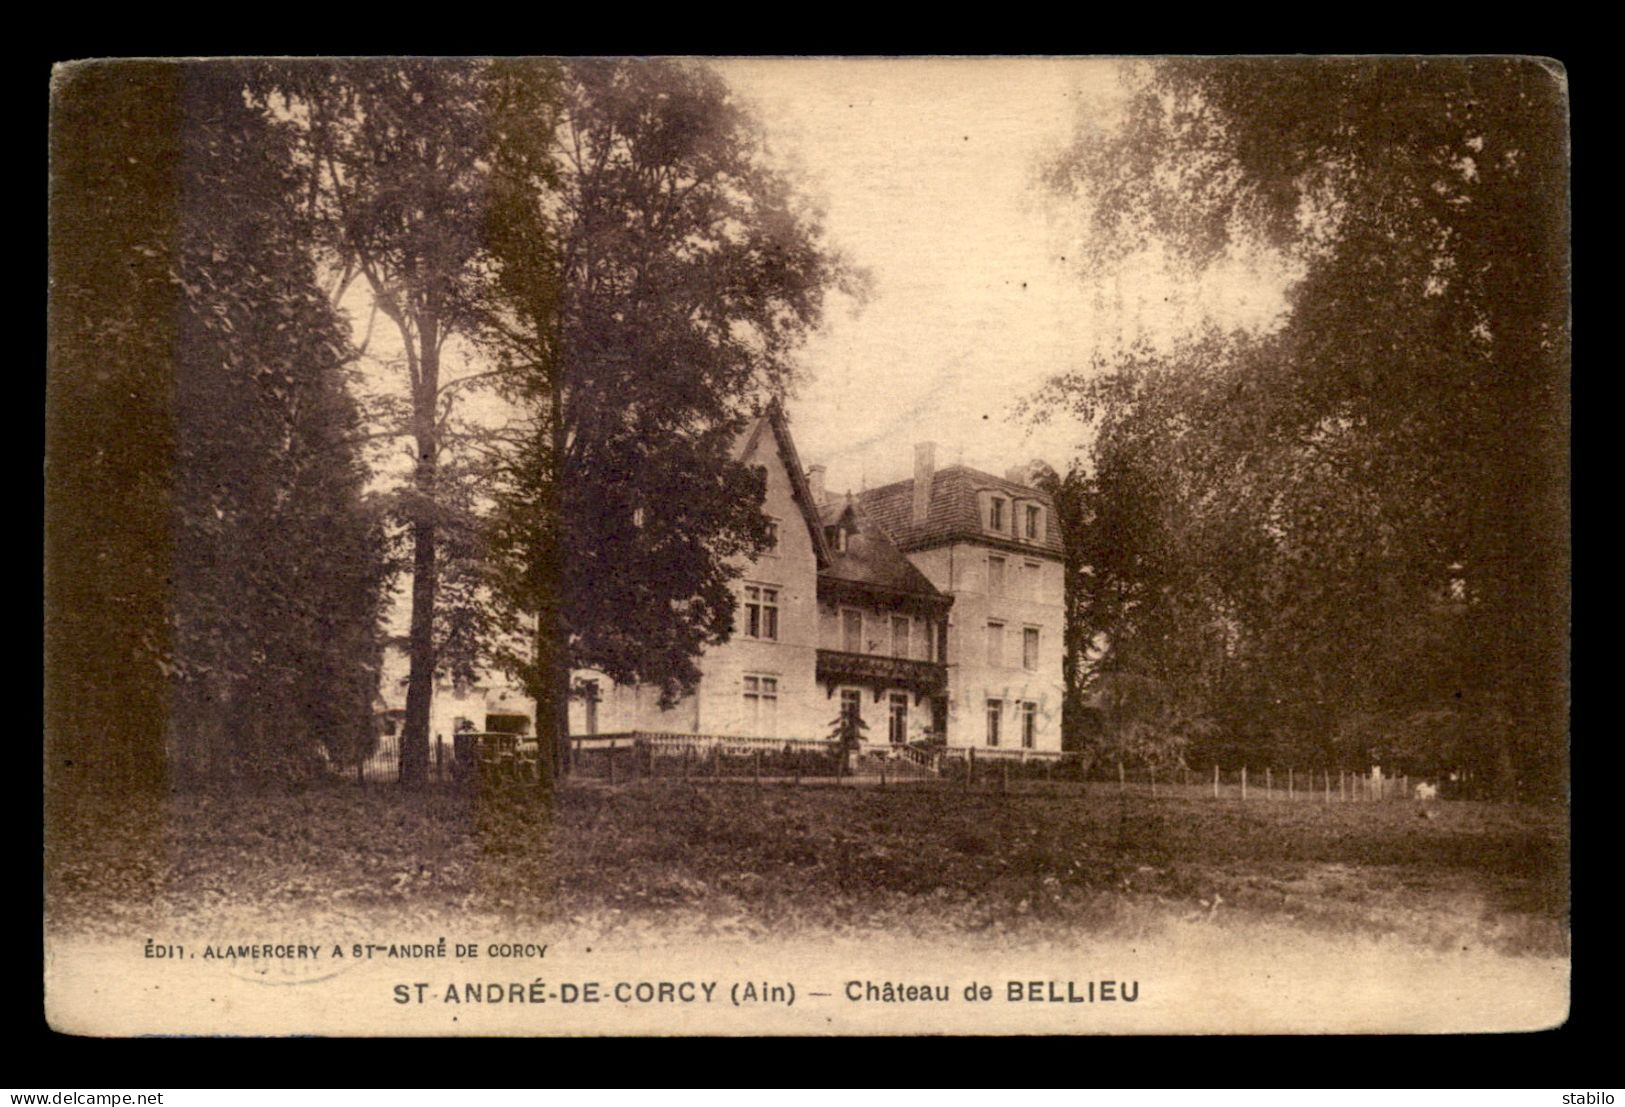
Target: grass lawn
928	860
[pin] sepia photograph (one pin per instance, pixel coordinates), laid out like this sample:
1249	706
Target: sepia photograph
807	546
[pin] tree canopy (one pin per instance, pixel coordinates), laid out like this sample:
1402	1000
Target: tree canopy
604	240
1357	521
648	299
213	569
397	157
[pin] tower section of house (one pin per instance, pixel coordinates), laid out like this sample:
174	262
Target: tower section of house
880	632
762	682
993	545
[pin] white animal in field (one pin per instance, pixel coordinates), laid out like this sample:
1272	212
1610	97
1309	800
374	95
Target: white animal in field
1427	791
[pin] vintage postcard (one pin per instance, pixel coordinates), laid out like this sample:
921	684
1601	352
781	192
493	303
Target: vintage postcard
807	546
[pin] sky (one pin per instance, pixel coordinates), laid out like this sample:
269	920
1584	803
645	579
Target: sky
926	171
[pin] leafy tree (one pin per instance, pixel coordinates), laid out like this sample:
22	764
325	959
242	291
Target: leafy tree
653	276
1367	508
240	479
1087	552
397	155
109	436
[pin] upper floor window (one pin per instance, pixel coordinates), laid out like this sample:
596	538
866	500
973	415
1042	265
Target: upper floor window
995	644
761	612
899	635
772	536
995	513
1032	576
995	576
1034	526
852	631
1029	648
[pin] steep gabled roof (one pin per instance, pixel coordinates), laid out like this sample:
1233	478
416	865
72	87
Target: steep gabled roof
773	420
870	561
954	514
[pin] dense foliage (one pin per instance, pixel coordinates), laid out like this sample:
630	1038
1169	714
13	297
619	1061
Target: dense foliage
212	570
653	274
396	157
1346	536
603	240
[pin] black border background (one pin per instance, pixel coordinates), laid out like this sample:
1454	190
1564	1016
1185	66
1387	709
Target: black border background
1581	1054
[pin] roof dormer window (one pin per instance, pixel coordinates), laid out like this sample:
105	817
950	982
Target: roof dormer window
995	513
1033	523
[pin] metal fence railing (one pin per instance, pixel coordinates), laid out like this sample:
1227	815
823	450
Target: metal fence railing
618	758
450	757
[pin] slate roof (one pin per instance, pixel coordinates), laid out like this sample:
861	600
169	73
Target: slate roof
870	560
953	514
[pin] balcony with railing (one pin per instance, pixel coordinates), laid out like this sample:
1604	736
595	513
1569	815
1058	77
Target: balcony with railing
879	671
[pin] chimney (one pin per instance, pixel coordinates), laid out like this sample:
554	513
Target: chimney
1021	474
815	482
925	468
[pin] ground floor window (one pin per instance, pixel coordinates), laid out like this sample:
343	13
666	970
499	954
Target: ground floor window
590	697
762	706
899	718
995	715
507	723
851	704
1029	726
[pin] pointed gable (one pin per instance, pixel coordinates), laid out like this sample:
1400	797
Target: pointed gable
772	422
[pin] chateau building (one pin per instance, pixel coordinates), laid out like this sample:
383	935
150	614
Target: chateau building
932	609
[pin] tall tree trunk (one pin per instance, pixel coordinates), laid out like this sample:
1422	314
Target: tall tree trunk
420	678
553	702
552	633
425	570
